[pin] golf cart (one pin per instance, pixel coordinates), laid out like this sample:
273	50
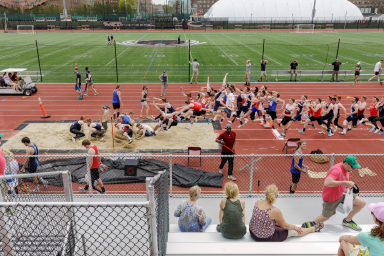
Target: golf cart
28	87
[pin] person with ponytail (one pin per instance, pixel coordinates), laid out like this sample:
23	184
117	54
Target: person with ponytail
297	166
268	224
373	240
232	213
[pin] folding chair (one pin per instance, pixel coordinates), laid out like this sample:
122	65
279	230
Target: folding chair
290	143
194	151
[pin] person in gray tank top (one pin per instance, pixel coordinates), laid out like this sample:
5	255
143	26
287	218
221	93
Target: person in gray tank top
232	213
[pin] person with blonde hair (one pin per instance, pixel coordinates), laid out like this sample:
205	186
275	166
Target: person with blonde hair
192	217
12	167
144	104
373	240
268	224
232	213
297	166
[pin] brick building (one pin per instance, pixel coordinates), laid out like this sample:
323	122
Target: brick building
369	6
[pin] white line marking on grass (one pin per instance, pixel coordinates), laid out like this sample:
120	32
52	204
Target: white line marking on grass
222	50
253	49
79	56
124	51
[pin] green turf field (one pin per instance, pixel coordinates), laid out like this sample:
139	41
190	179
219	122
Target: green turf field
217	53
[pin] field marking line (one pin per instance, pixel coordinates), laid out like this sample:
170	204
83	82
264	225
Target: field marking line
80	56
253	49
222	50
124	50
154	55
49	54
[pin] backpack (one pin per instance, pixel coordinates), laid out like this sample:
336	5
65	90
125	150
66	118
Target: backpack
317	152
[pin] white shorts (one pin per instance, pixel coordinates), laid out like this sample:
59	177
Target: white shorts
144	103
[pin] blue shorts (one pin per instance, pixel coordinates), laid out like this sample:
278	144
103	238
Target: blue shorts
254	109
148	134
245	109
353	119
32	167
217	105
297	118
165	122
78	87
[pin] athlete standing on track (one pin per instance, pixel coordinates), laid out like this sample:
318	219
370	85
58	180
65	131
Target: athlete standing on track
116	101
94	163
297	166
228	140
248	73
351	117
31	163
89	82
164	83
316	115
377	70
195	67
78	83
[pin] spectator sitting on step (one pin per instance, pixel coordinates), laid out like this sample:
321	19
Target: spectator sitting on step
268	224
232	213
374	239
8	81
192	217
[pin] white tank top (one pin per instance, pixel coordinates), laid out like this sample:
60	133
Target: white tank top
377	67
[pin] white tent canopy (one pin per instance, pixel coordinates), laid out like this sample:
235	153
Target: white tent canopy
284	10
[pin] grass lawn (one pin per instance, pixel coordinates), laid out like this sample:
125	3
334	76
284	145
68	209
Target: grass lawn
216	52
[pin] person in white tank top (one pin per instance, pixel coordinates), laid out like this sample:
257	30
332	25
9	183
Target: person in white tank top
377	71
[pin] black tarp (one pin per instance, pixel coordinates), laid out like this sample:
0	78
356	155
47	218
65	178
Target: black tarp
183	176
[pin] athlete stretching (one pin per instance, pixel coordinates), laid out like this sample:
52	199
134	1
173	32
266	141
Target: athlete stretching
351	117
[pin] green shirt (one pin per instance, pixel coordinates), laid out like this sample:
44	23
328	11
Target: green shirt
232	226
375	244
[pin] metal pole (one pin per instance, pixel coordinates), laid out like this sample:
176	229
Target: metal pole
117	74
152	215
332	161
170	175
251	174
67	182
87	159
38	58
189	66
262	57
338	46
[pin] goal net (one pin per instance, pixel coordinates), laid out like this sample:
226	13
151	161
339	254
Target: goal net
305	28
25	29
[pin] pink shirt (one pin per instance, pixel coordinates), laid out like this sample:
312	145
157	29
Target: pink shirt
337	173
2	162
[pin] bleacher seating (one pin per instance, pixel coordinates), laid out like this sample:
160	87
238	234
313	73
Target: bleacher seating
321	73
212	242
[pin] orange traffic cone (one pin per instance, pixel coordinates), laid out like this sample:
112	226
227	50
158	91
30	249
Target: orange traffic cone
42	108
75	63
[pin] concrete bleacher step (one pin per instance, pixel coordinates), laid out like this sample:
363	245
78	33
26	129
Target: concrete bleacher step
212	242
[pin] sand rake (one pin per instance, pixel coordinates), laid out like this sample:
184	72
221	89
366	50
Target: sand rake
248	164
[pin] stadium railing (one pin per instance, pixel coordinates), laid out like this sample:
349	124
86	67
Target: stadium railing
92	228
253	172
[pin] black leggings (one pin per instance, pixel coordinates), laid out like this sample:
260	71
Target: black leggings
129	132
225	159
77	132
380	119
98	133
336	123
370	119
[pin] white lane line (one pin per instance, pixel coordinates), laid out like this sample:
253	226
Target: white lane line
253	49
124	51
222	50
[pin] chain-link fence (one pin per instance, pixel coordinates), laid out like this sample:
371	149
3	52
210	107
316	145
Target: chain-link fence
252	172
68	228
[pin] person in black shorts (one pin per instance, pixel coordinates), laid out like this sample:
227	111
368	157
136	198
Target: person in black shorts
317	109
288	113
357	73
328	116
297	166
178	41
116	102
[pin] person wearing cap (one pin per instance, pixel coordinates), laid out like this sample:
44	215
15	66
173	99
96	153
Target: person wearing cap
164	82
336	68
195	67
336	182
373	240
294	67
357	73
228	140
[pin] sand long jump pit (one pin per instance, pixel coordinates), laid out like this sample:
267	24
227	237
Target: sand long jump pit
55	137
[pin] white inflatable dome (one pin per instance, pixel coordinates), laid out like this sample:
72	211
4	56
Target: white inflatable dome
284	10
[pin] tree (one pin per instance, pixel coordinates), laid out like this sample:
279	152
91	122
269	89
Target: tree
167	8
108	8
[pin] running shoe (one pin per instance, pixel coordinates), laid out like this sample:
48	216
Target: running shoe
322	132
281	136
285	131
351	224
240	126
222	120
229	122
190	82
161	95
80	98
301	131
84	90
196	82
187	128
369	80
308	224
335	129
231	177
381	132
220	171
82	189
107	106
130	141
86	94
349	129
166	88
73	139
342	133
377	130
381	82
330	133
313	125
371	130
96	94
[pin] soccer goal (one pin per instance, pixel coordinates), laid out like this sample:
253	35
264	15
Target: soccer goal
25	29
305	28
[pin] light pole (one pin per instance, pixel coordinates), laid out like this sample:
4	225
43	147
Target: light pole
125	8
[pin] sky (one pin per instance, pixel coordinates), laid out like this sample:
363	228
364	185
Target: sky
158	1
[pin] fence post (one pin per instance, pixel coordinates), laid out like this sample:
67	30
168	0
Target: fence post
189	66
170	175
38	58
117	74
251	175
332	161
87	159
67	182
152	215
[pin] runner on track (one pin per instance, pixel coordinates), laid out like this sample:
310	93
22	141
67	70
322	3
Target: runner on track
351	117
316	115
377	71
